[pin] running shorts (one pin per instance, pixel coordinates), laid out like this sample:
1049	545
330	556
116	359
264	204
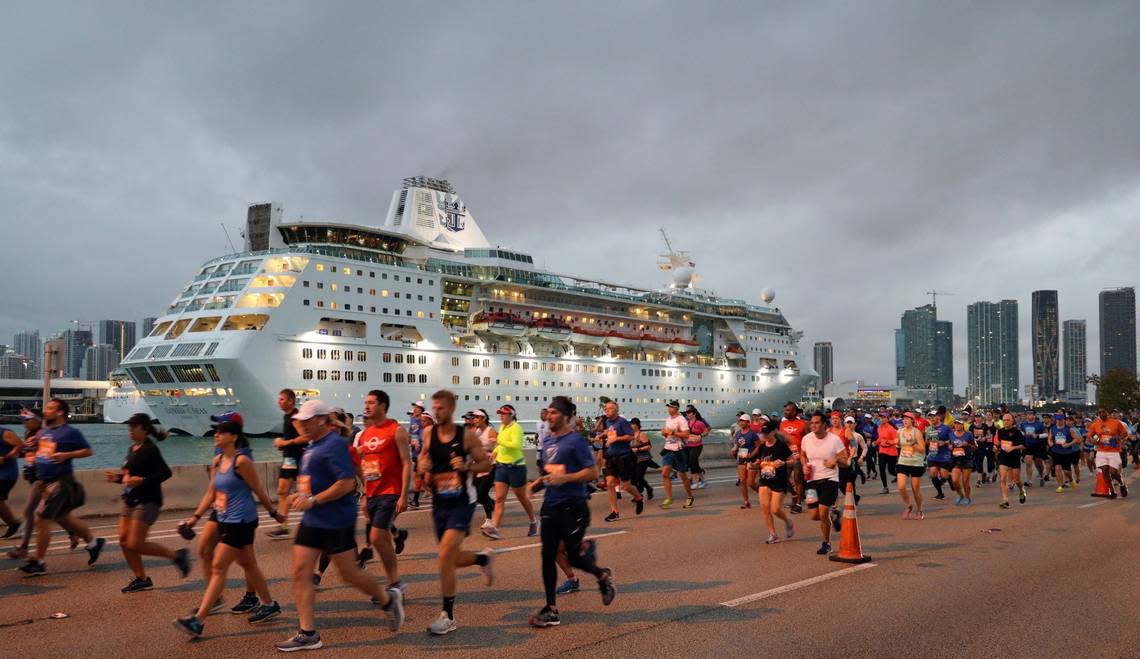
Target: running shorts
512	475
1065	459
447	518
1009	460
621	467
329	541
382	510
914	471
774	484
827	491
6	489
1107	459
287	474
145	512
1039	451
963	463
64	495
236	534
675	459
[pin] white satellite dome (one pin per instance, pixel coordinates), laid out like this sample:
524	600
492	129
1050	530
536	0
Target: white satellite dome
767	295
682	276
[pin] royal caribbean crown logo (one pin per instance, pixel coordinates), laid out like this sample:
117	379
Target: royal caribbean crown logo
452	212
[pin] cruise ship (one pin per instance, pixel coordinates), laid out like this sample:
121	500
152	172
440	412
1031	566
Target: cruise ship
424	301
123	399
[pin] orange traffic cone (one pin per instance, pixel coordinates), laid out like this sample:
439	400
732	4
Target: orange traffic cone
850	550
1101	486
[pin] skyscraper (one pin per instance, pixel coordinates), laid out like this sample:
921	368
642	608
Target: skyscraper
75	343
98	362
900	357
824	362
120	334
148	325
1118	330
1076	361
928	347
991	338
1046	344
28	345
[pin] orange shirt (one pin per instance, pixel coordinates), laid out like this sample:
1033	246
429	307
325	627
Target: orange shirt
1111	434
888	439
794	430
376	452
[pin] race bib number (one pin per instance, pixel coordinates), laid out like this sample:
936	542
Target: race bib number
958	452
1006	445
371	468
46	449
742	453
446	484
1109	442
305	485
289	463
221	499
767	469
906	451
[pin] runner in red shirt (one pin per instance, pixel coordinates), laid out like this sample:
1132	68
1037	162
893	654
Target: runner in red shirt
793	429
888	443
380	452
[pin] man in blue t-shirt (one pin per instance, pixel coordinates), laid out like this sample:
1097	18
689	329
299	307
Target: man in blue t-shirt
415	445
621	463
326	492
567	465
59	444
1036	447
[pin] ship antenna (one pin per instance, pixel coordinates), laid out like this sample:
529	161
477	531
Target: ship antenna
233	250
665	236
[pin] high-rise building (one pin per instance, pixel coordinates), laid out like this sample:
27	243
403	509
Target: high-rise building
148	325
14	366
1046	344
991	338
75	344
824	362
99	360
900	357
118	333
1076	361
929	354
28	345
1118	330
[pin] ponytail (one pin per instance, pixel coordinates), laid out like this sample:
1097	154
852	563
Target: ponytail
150	426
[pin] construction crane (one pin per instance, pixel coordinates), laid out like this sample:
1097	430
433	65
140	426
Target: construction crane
934	296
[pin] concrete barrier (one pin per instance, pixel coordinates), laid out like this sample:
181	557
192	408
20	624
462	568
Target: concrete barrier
187	484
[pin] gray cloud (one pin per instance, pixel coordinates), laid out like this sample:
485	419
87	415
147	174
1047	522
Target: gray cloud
852	155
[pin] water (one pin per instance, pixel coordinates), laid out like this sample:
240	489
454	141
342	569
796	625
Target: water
110	444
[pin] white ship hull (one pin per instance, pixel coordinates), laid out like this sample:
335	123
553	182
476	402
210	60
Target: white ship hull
123	401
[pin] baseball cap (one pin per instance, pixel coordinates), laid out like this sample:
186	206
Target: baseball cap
932	413
958	421
416	409
27	414
908	414
227	417
756	412
866	415
849	419
745	417
475	413
507	409
673	403
312	408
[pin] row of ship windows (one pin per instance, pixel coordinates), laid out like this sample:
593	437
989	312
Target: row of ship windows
332	269
320	304
349	376
371	291
361	356
177	373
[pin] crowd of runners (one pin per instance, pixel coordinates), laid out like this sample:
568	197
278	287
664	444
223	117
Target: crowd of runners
332	472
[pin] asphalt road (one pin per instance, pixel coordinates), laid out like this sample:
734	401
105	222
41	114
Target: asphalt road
1054	577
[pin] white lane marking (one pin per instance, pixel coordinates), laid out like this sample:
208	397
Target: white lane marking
1094	503
796	586
539	544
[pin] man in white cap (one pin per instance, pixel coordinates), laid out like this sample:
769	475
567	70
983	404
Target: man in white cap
415	445
326	493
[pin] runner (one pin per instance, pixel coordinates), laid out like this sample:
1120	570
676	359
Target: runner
743	448
1088	446
621	464
292	447
510	472
1109	435
887	442
963	445
233	484
984	462
911	466
794	428
937	451
141	476
450	456
771	457
567	467
695	444
1036	448
60	444
870	431
10	446
415	445
673	455
485	482
856	448
1064	444
643	450
823	454
381	454
1010	445
326	493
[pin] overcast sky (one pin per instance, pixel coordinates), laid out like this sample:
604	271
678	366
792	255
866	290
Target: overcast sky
850	155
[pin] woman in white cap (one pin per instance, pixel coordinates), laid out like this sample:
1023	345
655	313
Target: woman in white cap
484	482
743	448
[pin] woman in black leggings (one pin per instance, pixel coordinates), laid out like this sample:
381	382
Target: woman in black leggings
643	450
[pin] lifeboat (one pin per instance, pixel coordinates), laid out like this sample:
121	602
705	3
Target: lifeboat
619	340
550	329
499	324
587	337
684	345
734	352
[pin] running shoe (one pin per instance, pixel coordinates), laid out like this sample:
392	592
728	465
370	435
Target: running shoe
487	570
919	516
772	539
906	512
486	523
265	613
246	604
940	496
967	502
395	608
958	500
301	641
217	607
824	549
137	585
532	530
17	553
181	561
884	491
1060	489
190	625
363	556
796	508
547	617
666	503
638	505
649	493
401	539
1123	489
93	552
281	533
1111	495
613	516
569	586
688	502
1041	482
746	505
492	533
1003	505
606	586
33	568
1021	497
12	529
442	625
789	529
